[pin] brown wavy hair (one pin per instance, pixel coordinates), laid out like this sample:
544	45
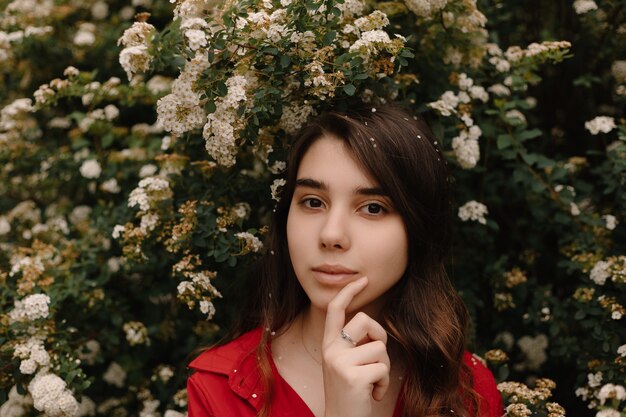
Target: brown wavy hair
424	315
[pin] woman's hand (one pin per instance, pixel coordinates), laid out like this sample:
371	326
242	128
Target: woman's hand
355	372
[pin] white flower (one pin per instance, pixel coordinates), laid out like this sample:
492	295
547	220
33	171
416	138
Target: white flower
252	242
466	149
33	307
465	82
584	6
370	42
115	375
196	39
534	349
136	35
148	170
618	69
499	90
207	307
594	380
425	8
148	222
294	117
447	104
474	211
602	124
276	187
118	230
100	10
84	38
159	84
574	209
582	392
5	226
17	405
622	351
375	20
51	396
28	367
611	391
110	186
515	114
166	142
150	189
114	264
610	220
165	373
135	59
89	351
608	412
173	413
136	333
111	112
479	93
600	272
90	169
616	315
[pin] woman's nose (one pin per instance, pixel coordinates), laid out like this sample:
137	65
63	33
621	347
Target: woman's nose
334	231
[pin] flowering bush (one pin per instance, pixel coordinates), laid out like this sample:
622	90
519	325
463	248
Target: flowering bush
142	146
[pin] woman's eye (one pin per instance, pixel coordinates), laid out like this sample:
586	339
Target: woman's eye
374	208
312	203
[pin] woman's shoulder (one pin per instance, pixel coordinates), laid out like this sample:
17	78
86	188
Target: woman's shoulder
484	384
222	358
225	379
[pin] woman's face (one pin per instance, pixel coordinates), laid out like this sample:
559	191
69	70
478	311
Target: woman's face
341	227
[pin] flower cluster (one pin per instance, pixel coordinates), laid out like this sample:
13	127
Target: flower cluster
465	145
600	124
198	287
136	333
51	396
474	211
31	308
32	354
134	58
318	63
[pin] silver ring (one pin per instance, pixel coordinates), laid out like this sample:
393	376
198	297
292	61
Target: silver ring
346	336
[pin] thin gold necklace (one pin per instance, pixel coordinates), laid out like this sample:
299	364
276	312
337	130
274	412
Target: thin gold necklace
304	345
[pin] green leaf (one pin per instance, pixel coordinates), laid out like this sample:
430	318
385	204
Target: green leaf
504	141
349	89
329	38
529	158
529	134
271	50
285	61
107	140
221	88
220	43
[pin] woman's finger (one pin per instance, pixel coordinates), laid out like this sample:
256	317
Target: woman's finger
336	310
372	352
363	329
376	374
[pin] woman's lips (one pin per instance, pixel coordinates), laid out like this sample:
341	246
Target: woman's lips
334	275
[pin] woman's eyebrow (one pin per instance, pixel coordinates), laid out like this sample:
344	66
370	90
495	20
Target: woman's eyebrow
320	185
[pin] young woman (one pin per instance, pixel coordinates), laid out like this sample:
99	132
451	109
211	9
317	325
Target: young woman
355	315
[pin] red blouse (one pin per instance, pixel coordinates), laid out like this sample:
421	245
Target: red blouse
227	383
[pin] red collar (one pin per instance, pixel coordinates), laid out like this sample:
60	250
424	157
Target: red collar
236	360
